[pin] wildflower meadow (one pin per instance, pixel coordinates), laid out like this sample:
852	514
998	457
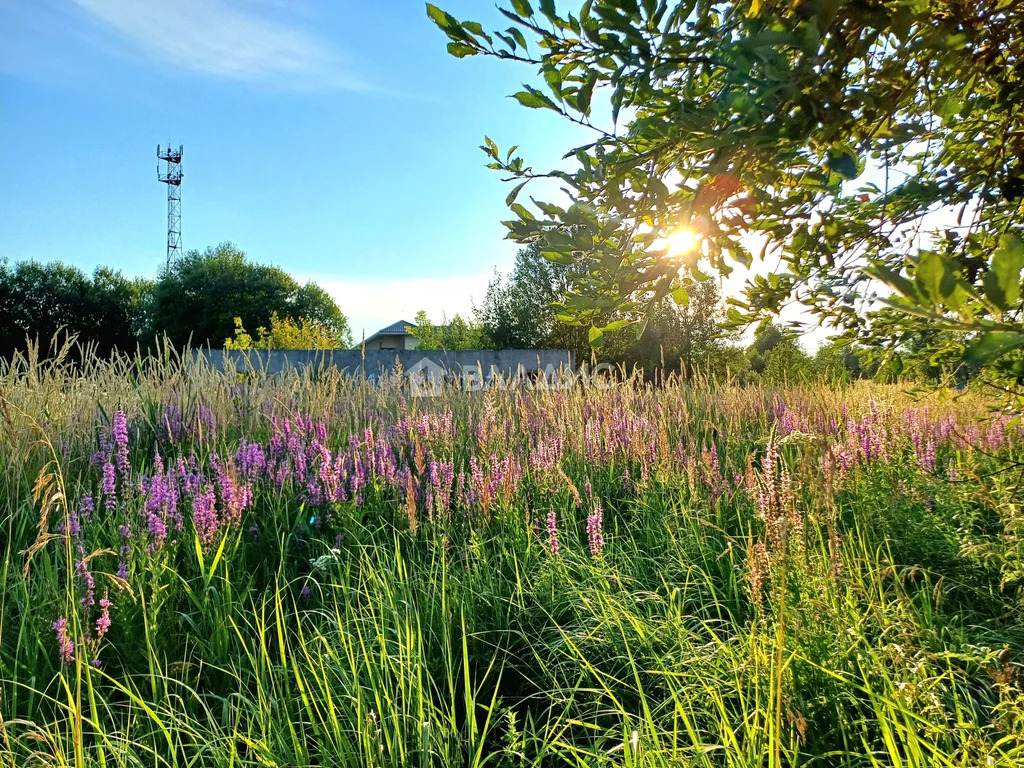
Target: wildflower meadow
231	569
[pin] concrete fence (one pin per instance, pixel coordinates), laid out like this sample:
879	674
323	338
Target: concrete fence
480	362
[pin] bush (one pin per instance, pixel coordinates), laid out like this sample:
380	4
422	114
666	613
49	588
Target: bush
284	334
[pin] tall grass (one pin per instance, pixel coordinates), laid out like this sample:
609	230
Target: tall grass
812	576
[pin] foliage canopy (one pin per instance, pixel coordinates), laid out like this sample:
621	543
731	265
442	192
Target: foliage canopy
827	135
198	298
36	300
453	334
284	333
526	311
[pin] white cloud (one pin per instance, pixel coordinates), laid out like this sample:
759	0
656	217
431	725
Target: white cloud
227	38
370	303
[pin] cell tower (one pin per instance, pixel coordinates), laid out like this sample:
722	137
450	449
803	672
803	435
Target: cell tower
171	176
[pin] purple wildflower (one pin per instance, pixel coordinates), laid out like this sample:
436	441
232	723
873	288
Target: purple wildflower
125	551
595	530
65	645
160	500
74	527
204	514
553	533
109	487
103	622
85	575
120	430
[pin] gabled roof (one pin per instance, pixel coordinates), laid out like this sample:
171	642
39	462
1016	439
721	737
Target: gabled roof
395	329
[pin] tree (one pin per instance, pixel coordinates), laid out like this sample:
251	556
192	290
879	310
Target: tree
828	129
699	331
528	310
520	312
730	363
777	357
786	363
314	305
284	333
453	334
118	310
198	297
835	362
683	336
767	337
37	300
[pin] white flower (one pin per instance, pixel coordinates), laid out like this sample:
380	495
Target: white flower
323	562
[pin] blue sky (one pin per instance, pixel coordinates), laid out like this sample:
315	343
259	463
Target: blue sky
337	140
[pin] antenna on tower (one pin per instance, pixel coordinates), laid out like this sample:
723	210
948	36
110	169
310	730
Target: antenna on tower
171	176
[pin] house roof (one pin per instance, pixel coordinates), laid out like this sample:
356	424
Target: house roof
395	329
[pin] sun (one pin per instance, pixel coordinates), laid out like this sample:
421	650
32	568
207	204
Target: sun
683	241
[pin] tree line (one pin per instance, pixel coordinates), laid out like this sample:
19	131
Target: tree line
526	310
199	300
220	298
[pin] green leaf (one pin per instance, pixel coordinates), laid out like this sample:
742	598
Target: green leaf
551	210
947	105
461	50
617	96
522	7
514	193
554	81
585	93
1002	281
517	36
1011	368
894	280
534	99
680	296
558	240
439	17
522	212
642	326
991	346
557	258
735	317
507	40
934	276
845	165
595	336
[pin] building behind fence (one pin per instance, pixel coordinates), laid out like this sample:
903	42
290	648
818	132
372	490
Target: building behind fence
463	364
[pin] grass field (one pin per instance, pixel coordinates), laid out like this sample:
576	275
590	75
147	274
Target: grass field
210	570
